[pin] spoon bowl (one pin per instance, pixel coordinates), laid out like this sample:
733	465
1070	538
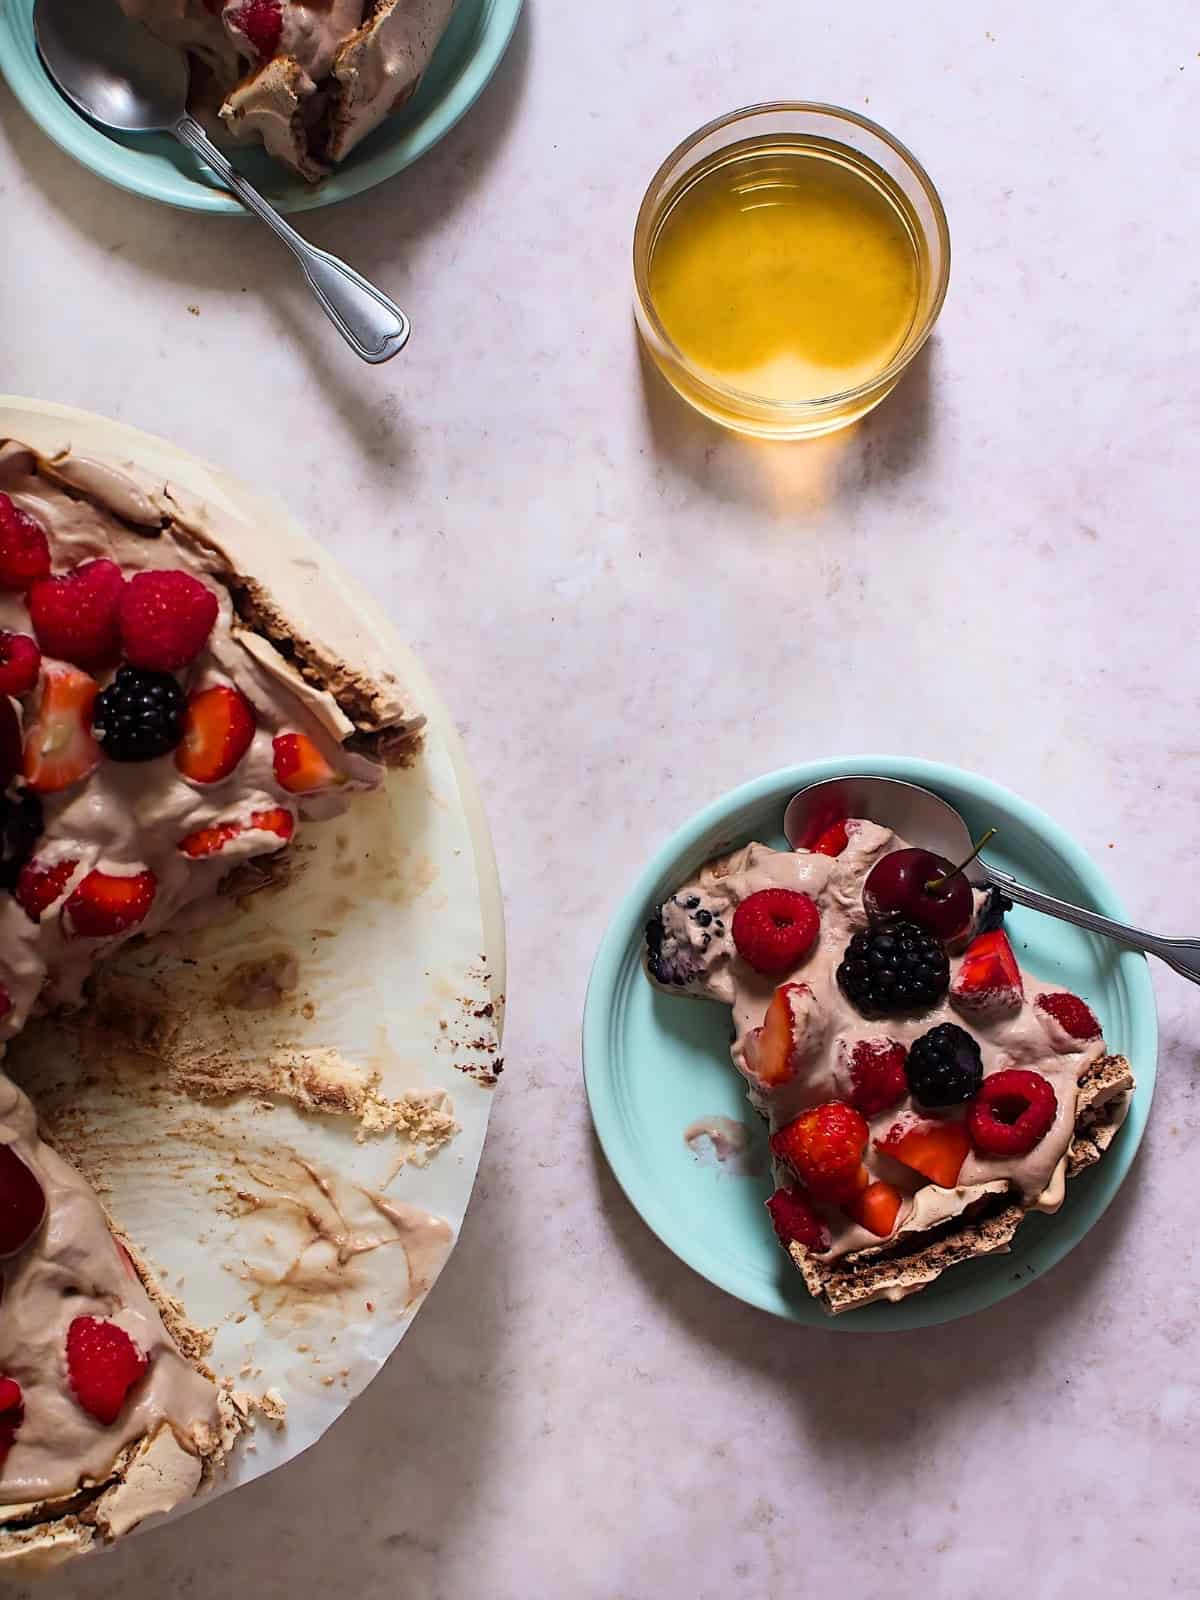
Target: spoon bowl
110	67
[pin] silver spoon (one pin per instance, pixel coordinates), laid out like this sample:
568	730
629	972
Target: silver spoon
925	819
122	78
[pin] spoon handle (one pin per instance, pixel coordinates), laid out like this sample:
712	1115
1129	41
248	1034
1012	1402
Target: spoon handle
373	326
1181	954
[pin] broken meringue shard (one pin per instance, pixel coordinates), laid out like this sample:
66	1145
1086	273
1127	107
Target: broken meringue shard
310	79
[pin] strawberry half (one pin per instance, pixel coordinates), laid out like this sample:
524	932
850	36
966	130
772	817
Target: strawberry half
876	1208
107	903
103	1364
824	1148
936	1150
211	841
299	765
772	1050
835	838
989	980
39	886
217	732
59	748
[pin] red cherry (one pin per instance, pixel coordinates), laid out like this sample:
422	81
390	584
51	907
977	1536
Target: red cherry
22	1203
899	886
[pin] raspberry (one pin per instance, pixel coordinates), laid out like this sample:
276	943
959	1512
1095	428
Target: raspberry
893	970
262	23
20	663
1071	1014
166	618
1012	1112
944	1066
796	1222
38	887
22	1202
75	615
774	928
824	1147
24	550
103	1364
876	1074
139	716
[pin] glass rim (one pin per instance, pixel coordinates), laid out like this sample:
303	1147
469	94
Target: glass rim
651	326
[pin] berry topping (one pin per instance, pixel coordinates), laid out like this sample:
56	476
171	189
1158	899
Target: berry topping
59	748
944	1066
166	618
824	1148
1013	1111
10	742
921	888
22	1202
299	765
20	830
667	960
75	615
211	841
38	886
876	1208
773	1050
989	981
108	903
876	1075
894	970
936	1150
24	550
12	1414
20	663
262	23
103	1364
1071	1014
217	731
796	1222
774	929
139	716
835	838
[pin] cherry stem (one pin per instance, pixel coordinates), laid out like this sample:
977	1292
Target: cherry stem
936	885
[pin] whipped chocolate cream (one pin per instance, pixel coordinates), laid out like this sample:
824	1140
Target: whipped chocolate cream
126	818
703	957
337	70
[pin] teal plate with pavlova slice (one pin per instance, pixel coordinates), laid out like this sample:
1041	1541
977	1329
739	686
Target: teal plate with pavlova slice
657	1066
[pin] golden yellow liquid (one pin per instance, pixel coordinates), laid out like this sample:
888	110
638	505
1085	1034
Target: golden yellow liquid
788	269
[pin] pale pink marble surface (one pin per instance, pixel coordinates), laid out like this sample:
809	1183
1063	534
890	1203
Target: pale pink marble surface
631	613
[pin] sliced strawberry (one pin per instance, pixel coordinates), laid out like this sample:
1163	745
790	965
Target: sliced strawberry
772	1049
12	1414
107	903
835	838
103	1364
59	748
39	886
299	765
276	820
989	980
24	548
217	732
212	840
796	1222
876	1208
22	1202
936	1150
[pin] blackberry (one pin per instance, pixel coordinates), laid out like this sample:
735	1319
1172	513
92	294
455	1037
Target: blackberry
20	830
140	715
944	1066
992	911
894	969
668	964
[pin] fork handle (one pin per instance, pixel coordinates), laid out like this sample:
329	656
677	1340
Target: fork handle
1183	955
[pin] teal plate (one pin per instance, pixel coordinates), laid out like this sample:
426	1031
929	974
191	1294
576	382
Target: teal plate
159	168
654	1063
